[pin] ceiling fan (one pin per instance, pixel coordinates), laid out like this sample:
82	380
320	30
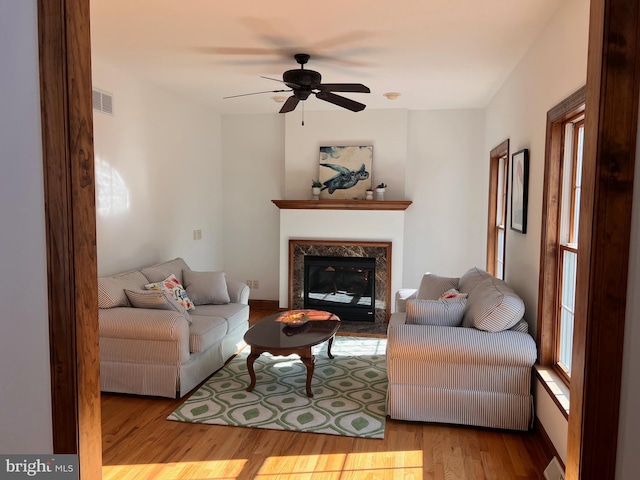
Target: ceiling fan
303	83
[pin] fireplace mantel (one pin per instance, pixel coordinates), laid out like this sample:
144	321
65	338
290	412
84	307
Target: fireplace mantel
343	204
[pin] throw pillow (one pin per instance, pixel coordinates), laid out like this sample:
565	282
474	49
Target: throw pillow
111	289
432	286
493	306
452	294
445	313
471	279
155	273
206	288
173	286
157	300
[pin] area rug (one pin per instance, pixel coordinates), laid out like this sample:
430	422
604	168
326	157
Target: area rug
349	392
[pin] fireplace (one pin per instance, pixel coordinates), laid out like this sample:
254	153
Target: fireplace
341	285
377	256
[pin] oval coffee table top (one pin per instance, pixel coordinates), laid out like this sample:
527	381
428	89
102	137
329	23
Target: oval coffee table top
272	333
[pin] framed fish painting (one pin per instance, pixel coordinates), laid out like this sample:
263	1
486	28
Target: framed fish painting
345	172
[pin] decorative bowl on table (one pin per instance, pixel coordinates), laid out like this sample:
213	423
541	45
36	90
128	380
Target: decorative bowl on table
295	319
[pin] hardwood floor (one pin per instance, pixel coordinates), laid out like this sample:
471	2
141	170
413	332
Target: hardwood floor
138	443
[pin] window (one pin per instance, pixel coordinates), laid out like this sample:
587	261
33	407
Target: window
568	244
496	227
559	252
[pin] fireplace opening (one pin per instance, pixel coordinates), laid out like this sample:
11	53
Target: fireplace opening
341	285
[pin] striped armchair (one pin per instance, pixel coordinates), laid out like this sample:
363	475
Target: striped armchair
477	372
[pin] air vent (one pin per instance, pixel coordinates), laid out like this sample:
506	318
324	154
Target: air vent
102	101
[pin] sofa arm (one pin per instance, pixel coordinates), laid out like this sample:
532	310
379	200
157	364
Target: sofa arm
402	296
143	324
459	345
238	292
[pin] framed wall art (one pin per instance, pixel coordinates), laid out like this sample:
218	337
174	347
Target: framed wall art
519	190
345	172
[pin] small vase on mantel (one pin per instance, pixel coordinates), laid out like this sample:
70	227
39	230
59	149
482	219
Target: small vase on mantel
368	195
380	190
315	189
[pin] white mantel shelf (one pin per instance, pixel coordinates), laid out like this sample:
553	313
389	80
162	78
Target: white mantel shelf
343	204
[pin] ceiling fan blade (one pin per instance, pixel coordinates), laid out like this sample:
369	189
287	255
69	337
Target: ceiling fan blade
234	50
291	84
343	87
343	102
255	93
274	79
290	104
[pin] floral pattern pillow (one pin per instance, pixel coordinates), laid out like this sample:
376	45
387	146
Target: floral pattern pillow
175	288
452	294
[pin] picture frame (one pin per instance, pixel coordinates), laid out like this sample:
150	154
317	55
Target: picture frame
345	172
519	190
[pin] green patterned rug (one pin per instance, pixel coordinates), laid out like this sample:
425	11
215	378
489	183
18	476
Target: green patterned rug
349	392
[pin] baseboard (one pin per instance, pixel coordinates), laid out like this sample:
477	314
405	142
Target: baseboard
547	445
264	304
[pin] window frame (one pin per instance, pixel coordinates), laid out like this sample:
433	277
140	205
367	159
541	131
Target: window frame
550	252
495	156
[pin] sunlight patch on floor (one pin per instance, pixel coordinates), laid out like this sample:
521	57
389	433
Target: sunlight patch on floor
219	470
386	464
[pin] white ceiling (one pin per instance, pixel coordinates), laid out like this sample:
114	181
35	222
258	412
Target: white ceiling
439	54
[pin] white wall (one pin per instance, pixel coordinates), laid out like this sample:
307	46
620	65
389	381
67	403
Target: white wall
445	227
386	130
628	460
253	170
158	177
418	154
553	68
25	395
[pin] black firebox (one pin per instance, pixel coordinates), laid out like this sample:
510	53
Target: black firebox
341	285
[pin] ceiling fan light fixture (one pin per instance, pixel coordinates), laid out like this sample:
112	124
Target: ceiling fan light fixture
278	98
392	95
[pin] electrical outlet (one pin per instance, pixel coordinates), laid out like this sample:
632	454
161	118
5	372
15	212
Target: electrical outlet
256	284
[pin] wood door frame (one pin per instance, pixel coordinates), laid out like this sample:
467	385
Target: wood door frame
612	94
70	216
611	120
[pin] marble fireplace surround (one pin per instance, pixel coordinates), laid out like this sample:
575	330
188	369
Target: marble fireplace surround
344	222
380	251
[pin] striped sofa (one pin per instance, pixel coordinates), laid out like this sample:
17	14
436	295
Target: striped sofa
475	373
164	352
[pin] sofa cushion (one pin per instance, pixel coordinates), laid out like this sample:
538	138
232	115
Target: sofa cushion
493	306
446	313
236	314
432	286
160	271
156	300
175	288
206	331
111	289
471	279
205	288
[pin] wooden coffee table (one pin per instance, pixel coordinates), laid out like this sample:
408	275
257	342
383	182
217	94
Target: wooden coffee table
271	335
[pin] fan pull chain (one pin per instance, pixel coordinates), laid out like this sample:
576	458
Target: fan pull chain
303	114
